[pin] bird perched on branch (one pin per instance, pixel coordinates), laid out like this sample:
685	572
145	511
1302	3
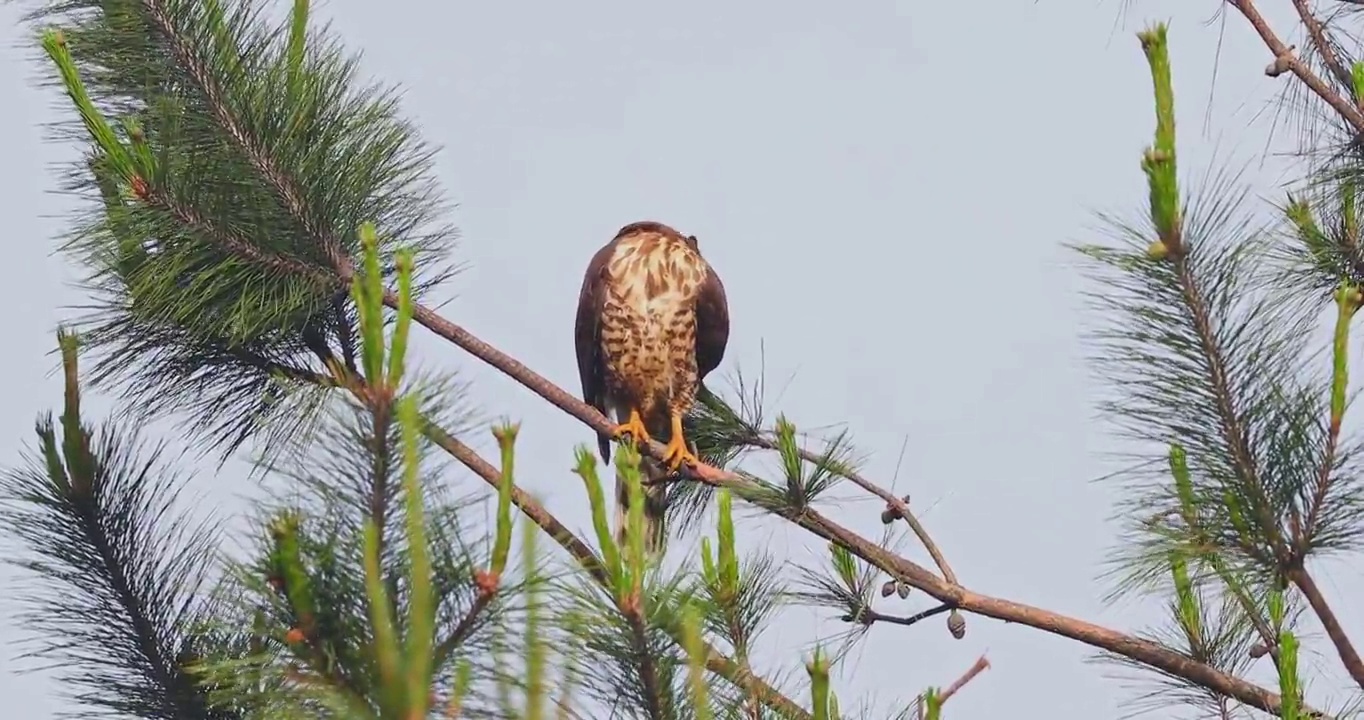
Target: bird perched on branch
652	322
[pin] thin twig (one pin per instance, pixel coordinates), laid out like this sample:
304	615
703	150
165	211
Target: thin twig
872	616
1323	485
464	629
980	666
227	241
899	506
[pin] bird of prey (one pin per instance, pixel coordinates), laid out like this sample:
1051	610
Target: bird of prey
652	322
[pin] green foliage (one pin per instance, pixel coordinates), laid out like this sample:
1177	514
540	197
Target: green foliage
121	565
240	160
1206	333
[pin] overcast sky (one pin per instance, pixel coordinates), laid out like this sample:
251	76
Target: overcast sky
884	186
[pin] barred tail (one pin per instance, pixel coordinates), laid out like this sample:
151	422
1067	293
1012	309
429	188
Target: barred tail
653	481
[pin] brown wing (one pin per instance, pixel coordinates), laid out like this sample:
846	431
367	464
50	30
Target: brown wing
712	324
587	337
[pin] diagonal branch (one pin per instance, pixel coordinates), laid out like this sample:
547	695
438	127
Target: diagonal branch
463	630
1233	429
1143	651
1285	60
1344	647
226	241
1317	32
980	666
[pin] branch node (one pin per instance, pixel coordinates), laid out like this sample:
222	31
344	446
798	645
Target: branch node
1283	63
893	513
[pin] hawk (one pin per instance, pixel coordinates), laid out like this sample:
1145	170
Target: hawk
652	322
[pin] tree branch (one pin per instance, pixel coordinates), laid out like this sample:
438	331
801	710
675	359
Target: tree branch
464	629
1317	32
980	666
1285	60
1348	655
648	671
1233	430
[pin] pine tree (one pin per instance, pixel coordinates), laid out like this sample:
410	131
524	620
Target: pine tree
261	232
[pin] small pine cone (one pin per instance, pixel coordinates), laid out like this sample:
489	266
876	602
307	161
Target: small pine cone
956	624
1258	650
887	588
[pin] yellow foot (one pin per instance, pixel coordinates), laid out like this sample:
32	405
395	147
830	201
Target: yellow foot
634	427
677	454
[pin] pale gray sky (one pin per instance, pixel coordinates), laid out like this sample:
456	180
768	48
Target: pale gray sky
885	187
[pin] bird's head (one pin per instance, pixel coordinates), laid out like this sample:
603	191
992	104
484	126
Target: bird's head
657	228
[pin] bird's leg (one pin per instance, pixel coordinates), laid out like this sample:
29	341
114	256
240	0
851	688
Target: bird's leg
677	454
634	427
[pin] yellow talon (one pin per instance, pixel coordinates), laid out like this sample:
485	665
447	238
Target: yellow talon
634	427
676	454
